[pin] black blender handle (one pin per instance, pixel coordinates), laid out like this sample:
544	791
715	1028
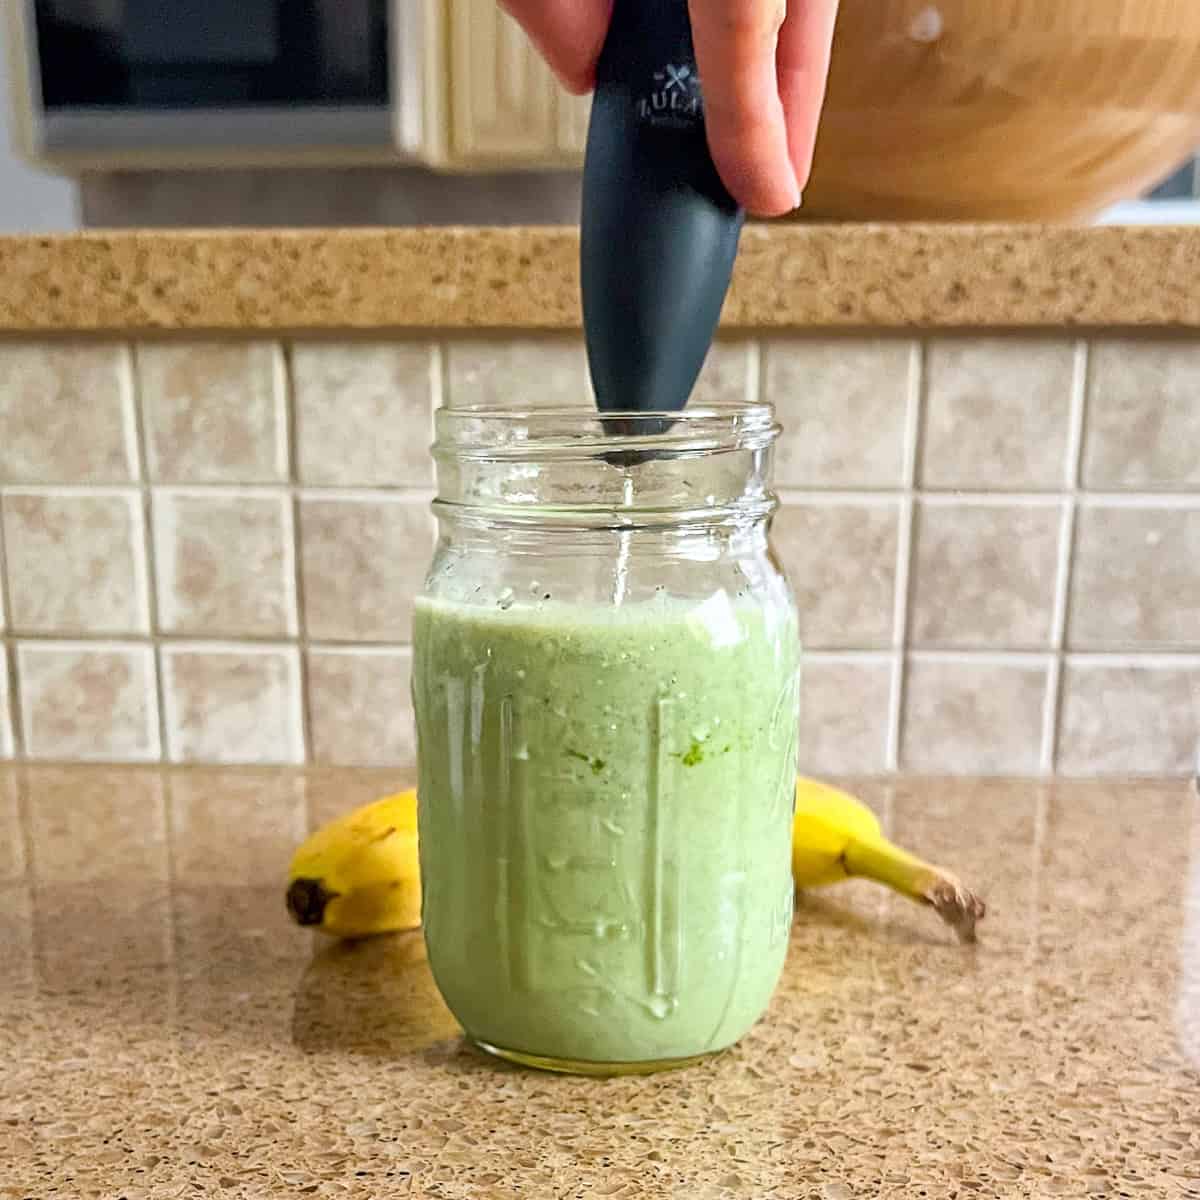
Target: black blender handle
659	230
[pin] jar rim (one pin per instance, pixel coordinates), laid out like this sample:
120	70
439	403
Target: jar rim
481	431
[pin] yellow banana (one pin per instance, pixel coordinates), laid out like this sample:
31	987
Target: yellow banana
359	874
835	836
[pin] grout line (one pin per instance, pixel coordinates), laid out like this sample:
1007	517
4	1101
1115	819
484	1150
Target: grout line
991	499
895	725
424	495
990	658
862	497
16	723
136	445
905	573
997	497
1171	500
914	413
851	657
1183	498
292	425
446	396
388	493
12	682
217	645
1051	704
211	638
437	393
1078	414
220	643
1052	714
862	494
756	382
133	384
1148	660
350	651
281	375
223	491
905	550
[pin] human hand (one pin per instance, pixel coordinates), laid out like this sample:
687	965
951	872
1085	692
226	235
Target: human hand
763	62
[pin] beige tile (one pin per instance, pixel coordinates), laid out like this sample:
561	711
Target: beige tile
226	562
360	707
517	372
266	808
363	560
984	575
1136	578
727	376
1129	719
66	409
7	740
12	833
1143	414
973	716
88	824
88	702
364	413
997	412
76	562
844	707
841	559
843	403
214	411
232	704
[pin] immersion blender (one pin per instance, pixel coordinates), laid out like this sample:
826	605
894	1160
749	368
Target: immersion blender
659	230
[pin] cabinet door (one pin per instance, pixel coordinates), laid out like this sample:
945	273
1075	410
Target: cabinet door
506	108
501	93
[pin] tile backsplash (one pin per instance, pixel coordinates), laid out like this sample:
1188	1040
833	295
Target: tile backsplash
210	548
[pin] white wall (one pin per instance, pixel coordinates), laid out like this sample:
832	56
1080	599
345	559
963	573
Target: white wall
30	200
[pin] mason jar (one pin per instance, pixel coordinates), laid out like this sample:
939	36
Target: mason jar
606	683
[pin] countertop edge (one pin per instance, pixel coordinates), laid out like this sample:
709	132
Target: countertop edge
789	276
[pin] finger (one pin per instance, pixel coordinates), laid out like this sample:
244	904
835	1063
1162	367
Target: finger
802	65
568	33
735	50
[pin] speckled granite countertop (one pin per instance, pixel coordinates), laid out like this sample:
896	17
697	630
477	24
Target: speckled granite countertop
166	1033
788	276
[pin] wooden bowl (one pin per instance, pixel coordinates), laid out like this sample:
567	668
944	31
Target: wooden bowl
1004	109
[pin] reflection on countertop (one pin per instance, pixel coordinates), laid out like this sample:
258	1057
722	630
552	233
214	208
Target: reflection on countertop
165	1030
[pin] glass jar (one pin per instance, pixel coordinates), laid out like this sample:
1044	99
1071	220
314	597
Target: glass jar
606	685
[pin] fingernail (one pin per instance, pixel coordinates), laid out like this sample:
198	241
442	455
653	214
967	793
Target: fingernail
799	200
797	195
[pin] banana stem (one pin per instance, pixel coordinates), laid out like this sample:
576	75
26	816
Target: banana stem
878	859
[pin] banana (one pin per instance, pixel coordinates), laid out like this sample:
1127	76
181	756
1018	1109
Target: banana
359	874
835	837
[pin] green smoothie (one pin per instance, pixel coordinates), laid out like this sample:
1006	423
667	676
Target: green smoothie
605	816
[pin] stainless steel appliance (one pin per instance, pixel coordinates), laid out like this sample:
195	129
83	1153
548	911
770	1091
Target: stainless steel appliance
102	83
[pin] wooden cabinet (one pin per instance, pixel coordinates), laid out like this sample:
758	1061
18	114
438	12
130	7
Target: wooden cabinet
506	109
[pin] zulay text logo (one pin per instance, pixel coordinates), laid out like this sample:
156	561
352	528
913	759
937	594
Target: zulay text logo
675	98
